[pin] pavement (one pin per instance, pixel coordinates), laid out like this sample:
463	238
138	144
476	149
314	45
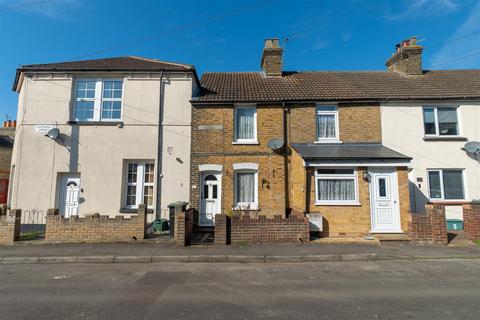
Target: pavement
407	289
146	252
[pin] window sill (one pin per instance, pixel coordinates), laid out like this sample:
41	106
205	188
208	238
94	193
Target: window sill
253	208
444	138
343	204
253	142
133	211
449	202
328	141
97	123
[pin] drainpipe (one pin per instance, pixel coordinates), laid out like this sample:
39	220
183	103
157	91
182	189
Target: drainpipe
158	165
285	159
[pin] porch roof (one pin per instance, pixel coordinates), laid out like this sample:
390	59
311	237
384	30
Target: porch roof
348	151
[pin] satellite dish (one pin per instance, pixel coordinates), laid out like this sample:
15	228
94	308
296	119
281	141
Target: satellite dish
275	143
472	147
53	133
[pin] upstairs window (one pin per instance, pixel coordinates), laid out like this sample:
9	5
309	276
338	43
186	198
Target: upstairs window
246	124
98	100
327	123
446	184
440	121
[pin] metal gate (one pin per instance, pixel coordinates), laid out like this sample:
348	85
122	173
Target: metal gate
32	224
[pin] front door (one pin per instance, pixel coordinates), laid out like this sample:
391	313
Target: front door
384	201
69	195
210	199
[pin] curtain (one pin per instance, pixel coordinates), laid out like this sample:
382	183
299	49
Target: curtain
246	123
335	190
326	126
447	121
246	187
453	184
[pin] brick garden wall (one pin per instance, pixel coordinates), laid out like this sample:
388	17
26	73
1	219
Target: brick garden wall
95	228
471	221
262	229
9	225
184	227
430	227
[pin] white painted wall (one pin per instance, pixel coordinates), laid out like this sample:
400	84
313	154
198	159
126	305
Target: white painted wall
403	131
100	152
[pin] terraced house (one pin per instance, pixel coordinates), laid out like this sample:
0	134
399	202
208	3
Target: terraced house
102	136
342	145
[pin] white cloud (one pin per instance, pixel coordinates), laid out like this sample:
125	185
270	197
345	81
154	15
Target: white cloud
48	8
320	44
465	51
414	8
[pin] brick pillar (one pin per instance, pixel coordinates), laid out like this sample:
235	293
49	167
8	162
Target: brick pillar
471	221
222	223
10	227
141	219
180	228
436	212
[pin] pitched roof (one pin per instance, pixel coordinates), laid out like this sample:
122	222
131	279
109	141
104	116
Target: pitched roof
347	151
338	86
128	63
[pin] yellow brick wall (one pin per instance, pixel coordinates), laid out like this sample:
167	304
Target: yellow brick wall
297	183
357	123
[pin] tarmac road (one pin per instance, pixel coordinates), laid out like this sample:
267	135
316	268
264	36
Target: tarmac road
425	289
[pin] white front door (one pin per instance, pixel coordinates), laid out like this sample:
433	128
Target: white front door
384	201
210	199
69	195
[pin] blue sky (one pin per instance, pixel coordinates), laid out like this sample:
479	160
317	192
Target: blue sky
228	35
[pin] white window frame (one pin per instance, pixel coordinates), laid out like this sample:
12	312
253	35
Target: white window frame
437	124
246	205
334	112
353	176
140	184
442	191
98	100
236	140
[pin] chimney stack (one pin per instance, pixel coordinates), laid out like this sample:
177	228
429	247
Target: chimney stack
10	124
272	58
407	58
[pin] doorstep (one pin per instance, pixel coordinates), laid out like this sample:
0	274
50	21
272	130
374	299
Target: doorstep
384	237
340	240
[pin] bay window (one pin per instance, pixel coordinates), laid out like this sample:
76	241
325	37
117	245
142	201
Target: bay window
98	100
139	189
336	186
327	123
245	124
446	184
440	121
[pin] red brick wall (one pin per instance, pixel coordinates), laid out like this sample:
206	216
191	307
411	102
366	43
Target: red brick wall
430	227
265	229
222	226
471	221
184	227
94	228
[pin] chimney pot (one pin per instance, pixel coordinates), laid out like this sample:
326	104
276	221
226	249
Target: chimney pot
407	58
272	58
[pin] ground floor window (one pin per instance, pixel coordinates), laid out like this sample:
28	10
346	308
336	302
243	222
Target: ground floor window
139	189
446	184
336	186
246	189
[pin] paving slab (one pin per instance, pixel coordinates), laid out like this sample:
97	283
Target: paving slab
96	259
133	259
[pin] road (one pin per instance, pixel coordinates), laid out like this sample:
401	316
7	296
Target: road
427	289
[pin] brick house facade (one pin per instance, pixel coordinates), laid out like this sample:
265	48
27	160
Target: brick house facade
276	142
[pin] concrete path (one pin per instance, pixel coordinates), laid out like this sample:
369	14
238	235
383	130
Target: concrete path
168	252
